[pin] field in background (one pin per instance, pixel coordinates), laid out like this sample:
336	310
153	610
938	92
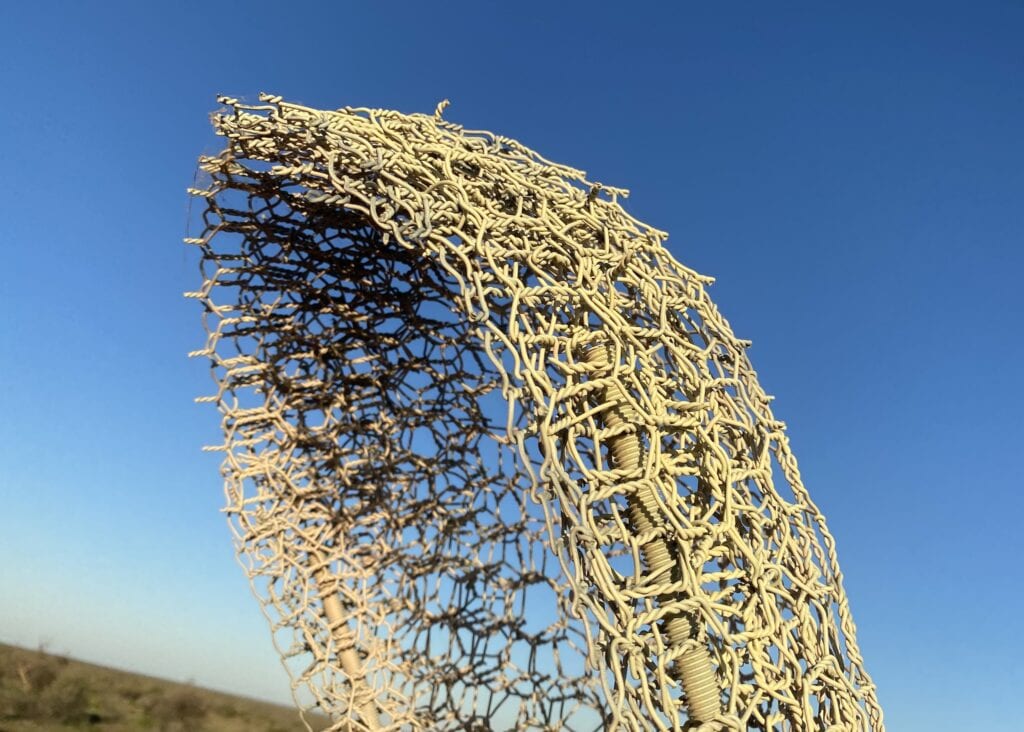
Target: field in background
40	691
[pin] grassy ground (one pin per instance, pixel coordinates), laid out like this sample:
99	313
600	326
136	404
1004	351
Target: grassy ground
43	692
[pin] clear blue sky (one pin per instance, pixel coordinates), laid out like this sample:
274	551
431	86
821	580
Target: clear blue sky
851	173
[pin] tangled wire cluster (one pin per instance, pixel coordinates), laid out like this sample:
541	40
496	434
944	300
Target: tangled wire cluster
493	458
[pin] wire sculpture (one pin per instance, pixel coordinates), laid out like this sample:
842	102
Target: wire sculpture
493	459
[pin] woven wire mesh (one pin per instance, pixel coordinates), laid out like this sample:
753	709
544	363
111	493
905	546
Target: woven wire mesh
432	349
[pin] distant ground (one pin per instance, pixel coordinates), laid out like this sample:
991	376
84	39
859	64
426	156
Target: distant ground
43	692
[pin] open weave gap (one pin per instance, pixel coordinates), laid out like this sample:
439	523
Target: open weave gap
432	349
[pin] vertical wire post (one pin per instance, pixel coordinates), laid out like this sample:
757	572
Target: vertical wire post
693	668
345	645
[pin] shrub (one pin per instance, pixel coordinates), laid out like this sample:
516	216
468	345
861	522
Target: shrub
131	693
16	704
66	699
35	675
183	708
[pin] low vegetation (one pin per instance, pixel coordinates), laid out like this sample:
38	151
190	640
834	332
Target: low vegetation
40	691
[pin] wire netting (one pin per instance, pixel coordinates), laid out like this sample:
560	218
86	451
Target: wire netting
493	459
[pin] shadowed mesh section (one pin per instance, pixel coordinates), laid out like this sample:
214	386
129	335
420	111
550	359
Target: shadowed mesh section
493	458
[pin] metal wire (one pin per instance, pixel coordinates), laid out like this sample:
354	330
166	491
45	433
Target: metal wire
493	459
